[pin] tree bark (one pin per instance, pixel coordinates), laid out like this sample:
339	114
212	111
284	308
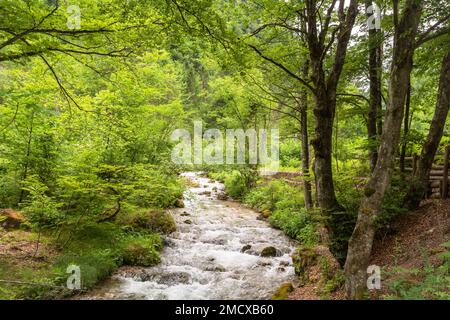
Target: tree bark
305	143
419	185
405	128
360	244
375	68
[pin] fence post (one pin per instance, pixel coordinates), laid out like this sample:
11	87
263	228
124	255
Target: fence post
445	175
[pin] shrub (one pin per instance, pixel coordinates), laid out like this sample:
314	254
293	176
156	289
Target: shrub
235	185
41	210
290	222
266	197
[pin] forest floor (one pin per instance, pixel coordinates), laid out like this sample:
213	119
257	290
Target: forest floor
409	251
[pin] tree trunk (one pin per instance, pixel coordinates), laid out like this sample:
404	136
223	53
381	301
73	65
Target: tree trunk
305	160
305	144
405	128
324	111
360	244
324	114
330	207
375	67
419	185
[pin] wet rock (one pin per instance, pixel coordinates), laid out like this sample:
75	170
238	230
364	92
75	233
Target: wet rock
185	214
179	203
215	268
264	263
284	263
246	248
260	217
174	278
269	252
10	219
222	196
205	193
169	242
188	221
214	189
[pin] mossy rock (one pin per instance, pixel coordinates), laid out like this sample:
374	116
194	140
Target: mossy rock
269	252
315	264
179	203
283	292
266	213
304	259
155	221
136	254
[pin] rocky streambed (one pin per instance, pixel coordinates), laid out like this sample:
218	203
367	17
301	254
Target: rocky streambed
221	250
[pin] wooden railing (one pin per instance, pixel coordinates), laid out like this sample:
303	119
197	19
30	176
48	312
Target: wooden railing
439	174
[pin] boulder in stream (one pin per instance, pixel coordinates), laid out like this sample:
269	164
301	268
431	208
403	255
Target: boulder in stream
270	252
222	196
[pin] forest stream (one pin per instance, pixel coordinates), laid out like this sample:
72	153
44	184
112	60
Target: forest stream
214	254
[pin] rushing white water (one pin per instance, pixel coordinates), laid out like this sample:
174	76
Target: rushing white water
205	259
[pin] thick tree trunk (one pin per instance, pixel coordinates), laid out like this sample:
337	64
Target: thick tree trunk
420	182
360	244
375	67
324	112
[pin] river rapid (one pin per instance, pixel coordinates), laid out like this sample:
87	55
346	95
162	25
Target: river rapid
214	254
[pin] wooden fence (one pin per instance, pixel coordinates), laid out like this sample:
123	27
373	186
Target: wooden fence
439	174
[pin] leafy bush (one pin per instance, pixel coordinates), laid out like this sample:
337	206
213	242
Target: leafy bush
286	205
267	197
235	185
297	225
41	210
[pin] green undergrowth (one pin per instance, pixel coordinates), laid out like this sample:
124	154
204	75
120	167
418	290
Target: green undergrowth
97	249
430	282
